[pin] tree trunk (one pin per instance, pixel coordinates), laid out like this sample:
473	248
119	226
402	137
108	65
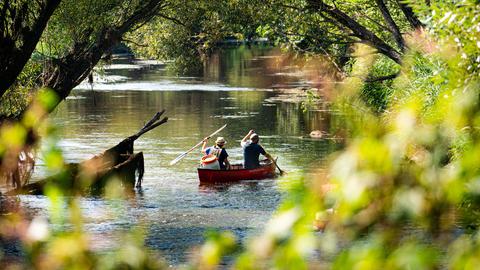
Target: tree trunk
18	39
62	75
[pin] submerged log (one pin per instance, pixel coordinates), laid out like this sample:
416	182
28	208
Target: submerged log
91	176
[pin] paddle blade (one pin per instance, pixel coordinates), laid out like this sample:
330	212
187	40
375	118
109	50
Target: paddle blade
177	159
282	172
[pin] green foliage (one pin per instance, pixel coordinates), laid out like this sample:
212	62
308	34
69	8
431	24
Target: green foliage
78	23
17	97
14	102
377	95
298	26
190	31
421	77
311	100
60	242
166	41
70	249
76	37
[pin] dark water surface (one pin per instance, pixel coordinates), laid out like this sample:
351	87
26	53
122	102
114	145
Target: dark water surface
172	208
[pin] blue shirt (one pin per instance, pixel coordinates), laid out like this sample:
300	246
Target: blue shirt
251	152
221	155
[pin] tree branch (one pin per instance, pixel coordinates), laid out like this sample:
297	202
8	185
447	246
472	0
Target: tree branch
382	78
410	15
381	26
358	30
133	42
172	19
391	24
78	63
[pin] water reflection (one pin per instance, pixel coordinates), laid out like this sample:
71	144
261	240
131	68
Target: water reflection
257	68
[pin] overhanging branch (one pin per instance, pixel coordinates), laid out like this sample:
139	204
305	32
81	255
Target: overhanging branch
358	30
382	78
410	15
392	26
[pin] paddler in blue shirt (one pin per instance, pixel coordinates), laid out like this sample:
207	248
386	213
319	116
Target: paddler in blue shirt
252	150
217	151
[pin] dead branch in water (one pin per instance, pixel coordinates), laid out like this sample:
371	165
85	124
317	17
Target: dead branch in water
119	162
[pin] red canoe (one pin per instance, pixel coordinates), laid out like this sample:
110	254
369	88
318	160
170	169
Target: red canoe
237	173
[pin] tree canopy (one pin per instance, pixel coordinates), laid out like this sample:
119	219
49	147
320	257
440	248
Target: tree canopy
79	33
316	27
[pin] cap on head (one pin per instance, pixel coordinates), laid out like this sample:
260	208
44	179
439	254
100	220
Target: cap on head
254	137
220	141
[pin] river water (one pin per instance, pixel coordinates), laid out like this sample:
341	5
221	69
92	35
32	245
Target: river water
172	208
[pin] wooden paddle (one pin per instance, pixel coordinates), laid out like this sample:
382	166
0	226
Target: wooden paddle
181	156
282	172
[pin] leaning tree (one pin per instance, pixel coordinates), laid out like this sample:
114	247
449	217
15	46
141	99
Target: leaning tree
22	23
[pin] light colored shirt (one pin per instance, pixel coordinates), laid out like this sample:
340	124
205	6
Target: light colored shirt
245	144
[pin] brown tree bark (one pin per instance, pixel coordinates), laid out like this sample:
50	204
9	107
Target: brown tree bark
22	23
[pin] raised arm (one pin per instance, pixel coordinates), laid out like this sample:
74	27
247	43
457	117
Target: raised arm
204	146
245	139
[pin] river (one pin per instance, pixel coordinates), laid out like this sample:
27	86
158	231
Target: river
174	211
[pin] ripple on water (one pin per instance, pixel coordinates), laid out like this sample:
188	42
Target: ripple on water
159	86
231	116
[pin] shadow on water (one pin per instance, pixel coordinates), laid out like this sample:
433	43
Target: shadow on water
249	185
